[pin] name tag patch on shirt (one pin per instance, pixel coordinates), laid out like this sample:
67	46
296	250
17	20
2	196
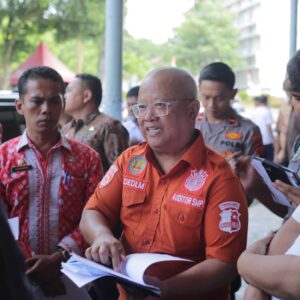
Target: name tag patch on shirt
234	135
21	168
133	183
137	165
196	180
109	176
188	200
230	217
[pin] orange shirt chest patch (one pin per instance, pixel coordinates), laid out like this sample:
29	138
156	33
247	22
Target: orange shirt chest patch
137	165
233	135
134	184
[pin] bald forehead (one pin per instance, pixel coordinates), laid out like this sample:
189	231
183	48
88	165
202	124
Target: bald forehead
176	83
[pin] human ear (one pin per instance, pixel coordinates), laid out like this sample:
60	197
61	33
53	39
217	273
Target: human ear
194	107
19	106
87	96
234	92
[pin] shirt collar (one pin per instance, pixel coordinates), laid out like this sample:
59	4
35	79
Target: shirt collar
85	121
195	156
231	119
197	153
25	141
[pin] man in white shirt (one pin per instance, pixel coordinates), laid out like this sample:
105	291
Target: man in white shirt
262	117
131	123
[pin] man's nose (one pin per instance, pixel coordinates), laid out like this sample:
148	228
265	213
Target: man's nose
46	107
211	103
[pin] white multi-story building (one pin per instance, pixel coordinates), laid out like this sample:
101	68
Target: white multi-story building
264	27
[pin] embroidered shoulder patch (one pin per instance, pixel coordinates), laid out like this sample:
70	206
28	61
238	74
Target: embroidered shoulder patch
196	180
230	217
137	165
109	176
234	135
135	184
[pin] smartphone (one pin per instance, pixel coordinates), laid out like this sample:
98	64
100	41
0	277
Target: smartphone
278	172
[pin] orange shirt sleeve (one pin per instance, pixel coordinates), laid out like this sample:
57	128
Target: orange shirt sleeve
107	197
226	219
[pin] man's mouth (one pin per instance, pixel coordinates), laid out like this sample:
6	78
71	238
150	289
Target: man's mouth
152	129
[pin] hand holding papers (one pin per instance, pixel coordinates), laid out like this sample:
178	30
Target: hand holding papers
270	172
14	227
82	271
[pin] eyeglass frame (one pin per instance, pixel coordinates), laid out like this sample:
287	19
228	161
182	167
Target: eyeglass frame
136	107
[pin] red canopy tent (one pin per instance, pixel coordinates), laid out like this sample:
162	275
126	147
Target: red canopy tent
42	57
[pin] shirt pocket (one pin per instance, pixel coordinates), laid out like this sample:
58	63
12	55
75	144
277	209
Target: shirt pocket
185	215
74	186
132	207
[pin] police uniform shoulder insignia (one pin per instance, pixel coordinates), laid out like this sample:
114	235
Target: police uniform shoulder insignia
137	165
109	176
230	217
234	135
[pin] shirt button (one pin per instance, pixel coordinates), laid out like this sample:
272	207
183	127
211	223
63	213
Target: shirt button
60	201
155	210
180	217
145	242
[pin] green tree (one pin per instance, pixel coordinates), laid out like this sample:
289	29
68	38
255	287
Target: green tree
206	35
79	27
20	22
74	30
142	55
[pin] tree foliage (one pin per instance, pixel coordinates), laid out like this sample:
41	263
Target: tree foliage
74	31
76	25
77	19
206	35
142	55
19	21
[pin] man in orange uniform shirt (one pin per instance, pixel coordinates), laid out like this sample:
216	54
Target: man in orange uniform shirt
173	195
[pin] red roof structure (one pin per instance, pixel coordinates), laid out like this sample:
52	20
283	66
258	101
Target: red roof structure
42	57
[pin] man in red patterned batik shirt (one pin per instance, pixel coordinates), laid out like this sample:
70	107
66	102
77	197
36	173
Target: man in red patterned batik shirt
45	181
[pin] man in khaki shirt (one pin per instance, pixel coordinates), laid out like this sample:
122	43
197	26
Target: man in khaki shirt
103	133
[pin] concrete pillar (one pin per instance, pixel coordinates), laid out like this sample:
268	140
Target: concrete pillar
112	97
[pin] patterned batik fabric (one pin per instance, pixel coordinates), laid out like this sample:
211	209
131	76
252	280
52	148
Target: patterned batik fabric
47	194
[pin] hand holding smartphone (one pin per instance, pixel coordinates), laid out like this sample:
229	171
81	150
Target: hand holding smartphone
278	172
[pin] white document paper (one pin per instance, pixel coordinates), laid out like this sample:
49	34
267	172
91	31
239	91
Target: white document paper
82	271
277	195
14	226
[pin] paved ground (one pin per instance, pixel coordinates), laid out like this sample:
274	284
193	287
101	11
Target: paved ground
261	222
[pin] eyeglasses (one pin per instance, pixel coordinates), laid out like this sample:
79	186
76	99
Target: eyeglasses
160	109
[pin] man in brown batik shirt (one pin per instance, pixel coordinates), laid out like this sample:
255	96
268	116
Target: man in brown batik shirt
103	133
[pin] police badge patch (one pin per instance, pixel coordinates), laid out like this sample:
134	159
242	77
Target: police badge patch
137	165
230	217
196	180
109	176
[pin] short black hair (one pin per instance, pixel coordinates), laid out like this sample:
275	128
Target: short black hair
93	83
293	72
39	73
261	99
133	92
218	71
